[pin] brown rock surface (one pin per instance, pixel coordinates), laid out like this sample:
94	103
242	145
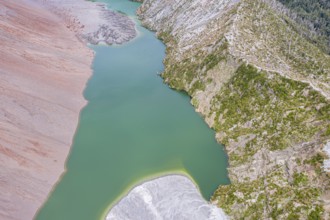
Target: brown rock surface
43	71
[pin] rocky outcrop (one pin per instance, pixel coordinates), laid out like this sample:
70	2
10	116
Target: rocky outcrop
92	22
168	197
264	89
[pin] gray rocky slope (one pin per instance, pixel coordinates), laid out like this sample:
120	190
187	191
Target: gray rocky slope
93	22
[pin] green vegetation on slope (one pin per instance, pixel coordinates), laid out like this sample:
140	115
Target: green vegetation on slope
189	74
271	196
273	127
279	112
258	111
273	41
315	16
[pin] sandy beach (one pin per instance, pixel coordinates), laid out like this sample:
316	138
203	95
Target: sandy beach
44	68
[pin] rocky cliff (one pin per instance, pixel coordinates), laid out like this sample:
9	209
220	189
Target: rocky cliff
264	89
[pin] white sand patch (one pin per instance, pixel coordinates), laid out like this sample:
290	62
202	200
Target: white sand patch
168	197
326	163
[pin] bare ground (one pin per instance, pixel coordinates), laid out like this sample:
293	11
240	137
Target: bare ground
43	71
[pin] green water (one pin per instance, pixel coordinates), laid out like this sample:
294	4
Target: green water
133	127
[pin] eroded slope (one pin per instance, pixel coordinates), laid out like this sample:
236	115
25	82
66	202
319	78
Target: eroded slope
43	71
264	89
44	66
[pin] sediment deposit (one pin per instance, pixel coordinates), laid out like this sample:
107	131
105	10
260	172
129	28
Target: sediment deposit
168	197
43	71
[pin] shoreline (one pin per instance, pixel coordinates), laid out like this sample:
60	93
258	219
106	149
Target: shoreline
37	123
161	175
87	43
297	151
43	61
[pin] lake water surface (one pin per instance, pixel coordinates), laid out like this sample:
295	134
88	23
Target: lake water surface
133	128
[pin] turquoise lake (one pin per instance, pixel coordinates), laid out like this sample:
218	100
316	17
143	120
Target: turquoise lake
134	128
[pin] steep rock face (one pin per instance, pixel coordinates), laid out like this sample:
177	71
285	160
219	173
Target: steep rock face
264	89
169	197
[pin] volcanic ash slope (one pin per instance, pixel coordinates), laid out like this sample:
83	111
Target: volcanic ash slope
43	70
